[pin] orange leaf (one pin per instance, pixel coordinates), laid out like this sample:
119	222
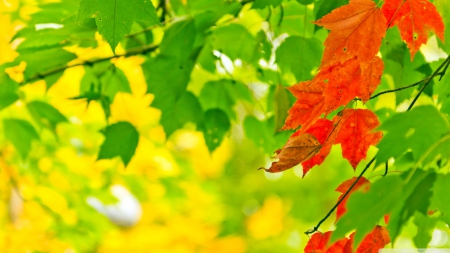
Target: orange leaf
372	243
319	241
299	148
356	29
355	133
308	107
321	130
347	81
343	188
415	19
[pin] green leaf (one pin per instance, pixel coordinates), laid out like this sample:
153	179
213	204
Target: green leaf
114	81
219	95
214	127
21	134
439	151
398	65
207	12
299	56
415	198
8	91
264	134
114	18
417	130
168	74
206	58
263	47
295	19
234	41
281	105
45	114
441	197
121	139
364	210
186	109
425	227
325	6
305	2
261	4
443	8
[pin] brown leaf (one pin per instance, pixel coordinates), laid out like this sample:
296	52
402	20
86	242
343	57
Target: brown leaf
299	148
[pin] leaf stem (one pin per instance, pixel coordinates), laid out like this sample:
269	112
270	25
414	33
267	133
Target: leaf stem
341	199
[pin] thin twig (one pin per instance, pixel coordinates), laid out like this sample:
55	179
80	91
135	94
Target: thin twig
340	200
135	51
445	63
400	88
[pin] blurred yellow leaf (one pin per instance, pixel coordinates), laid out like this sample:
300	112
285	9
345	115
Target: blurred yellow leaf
267	221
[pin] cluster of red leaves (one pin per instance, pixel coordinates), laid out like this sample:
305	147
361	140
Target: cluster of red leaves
372	242
350	69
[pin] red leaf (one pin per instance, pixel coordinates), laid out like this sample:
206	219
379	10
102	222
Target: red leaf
318	244
415	19
356	29
374	241
299	148
362	184
322	131
347	81
308	107
355	133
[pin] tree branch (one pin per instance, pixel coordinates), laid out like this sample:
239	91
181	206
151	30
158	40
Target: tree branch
134	51
436	72
340	200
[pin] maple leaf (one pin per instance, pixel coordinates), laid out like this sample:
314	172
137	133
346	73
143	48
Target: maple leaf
319	242
355	133
322	130
372	243
348	80
356	29
299	148
309	105
115	18
415	19
362	183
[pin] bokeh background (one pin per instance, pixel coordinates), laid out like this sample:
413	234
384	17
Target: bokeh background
175	195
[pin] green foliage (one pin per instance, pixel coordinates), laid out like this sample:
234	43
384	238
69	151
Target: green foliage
114	18
417	137
21	134
45	114
299	56
214	127
121	139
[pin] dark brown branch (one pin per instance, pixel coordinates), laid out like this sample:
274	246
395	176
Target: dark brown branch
340	200
135	51
436	73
